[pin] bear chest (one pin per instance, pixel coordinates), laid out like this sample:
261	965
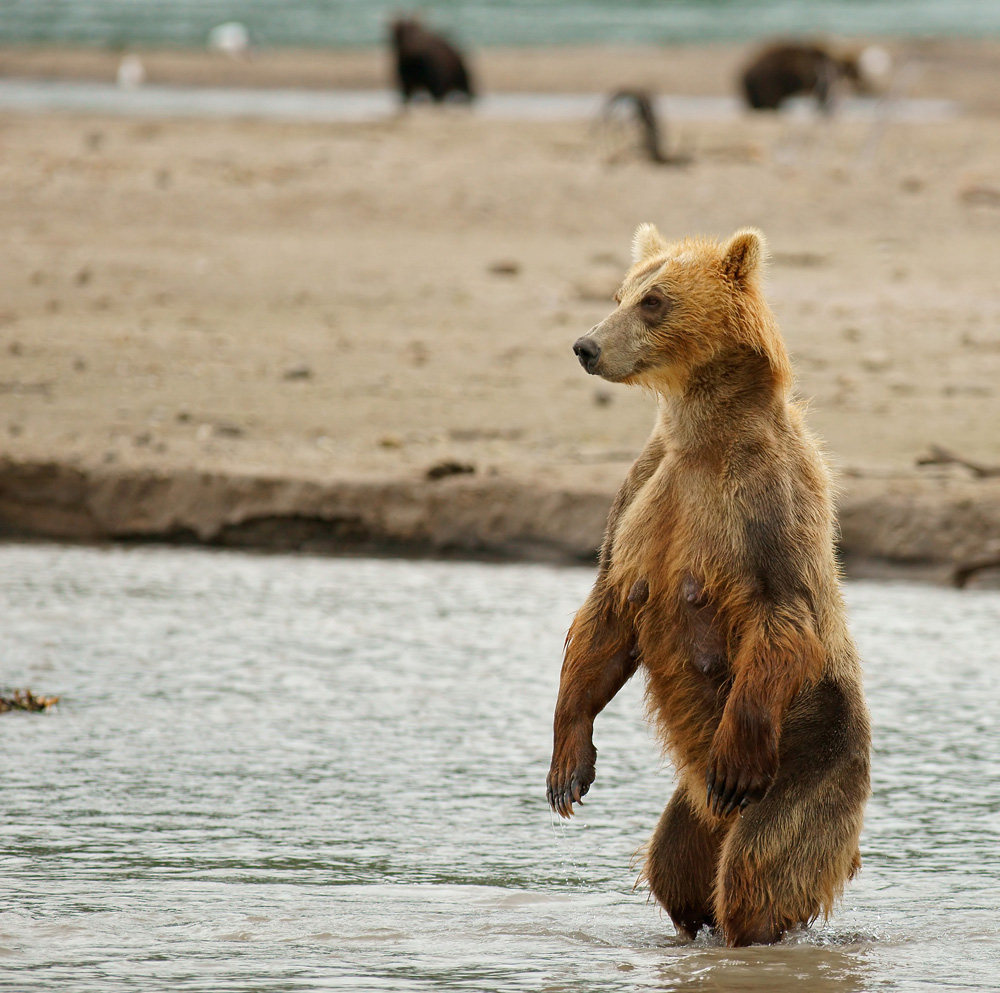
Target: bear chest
659	558
665	528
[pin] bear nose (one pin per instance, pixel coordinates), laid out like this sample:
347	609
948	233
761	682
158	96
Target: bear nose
588	352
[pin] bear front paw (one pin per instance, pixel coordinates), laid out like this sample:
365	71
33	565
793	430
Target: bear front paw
733	782
569	781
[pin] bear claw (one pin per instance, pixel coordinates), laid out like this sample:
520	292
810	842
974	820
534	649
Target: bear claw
571	774
723	798
562	800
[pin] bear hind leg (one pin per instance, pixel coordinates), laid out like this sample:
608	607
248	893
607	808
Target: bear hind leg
788	856
752	909
681	865
787	859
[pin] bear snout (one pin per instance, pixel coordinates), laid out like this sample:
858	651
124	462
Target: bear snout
588	352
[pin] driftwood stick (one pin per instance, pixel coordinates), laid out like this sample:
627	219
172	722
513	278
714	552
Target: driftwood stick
644	109
26	700
964	571
941	456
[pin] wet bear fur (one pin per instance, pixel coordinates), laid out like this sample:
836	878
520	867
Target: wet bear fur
717	577
426	62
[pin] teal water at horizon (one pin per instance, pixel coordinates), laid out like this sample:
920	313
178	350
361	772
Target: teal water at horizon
334	23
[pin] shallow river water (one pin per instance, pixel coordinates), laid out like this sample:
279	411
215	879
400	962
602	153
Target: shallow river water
284	773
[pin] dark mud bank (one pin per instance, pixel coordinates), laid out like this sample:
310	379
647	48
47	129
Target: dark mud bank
448	517
932	525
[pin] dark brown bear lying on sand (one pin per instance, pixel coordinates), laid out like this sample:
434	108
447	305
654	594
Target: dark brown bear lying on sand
717	577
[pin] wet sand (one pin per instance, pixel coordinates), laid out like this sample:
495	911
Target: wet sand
350	305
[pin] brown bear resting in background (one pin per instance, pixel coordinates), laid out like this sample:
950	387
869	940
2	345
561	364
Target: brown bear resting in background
718	577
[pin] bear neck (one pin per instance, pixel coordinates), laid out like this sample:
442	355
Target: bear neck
728	396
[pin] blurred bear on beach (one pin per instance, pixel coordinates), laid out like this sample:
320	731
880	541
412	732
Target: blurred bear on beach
426	62
789	69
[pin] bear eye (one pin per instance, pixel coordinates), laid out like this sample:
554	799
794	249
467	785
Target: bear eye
649	302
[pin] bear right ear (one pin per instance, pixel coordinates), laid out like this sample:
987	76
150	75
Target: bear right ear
646	242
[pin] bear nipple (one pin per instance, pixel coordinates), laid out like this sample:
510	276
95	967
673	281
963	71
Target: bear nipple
639	593
694	594
708	641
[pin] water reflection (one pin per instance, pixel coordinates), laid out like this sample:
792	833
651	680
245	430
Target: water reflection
824	968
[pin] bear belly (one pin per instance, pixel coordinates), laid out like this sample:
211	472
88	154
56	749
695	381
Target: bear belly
707	639
683	647
686	623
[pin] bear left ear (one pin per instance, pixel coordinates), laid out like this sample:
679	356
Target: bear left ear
646	242
744	255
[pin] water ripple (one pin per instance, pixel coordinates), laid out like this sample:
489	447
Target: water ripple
281	773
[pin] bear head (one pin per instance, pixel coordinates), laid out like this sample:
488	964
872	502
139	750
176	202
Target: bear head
681	305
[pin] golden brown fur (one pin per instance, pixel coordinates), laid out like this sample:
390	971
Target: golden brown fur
717	575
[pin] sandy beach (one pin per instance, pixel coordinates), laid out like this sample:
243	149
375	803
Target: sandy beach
354	304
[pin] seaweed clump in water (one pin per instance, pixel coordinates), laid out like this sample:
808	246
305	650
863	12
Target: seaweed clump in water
26	700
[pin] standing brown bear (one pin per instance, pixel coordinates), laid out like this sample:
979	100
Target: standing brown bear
718	577
426	61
